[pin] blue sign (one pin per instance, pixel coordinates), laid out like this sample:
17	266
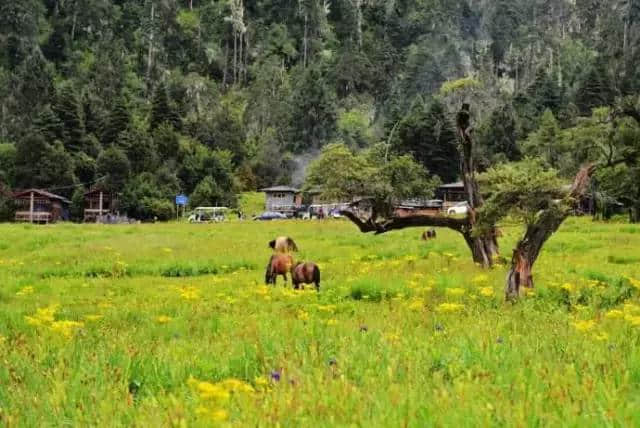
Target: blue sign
182	200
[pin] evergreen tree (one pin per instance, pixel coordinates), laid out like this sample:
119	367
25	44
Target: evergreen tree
162	111
545	142
314	116
119	121
49	125
428	135
544	92
67	108
594	89
40	164
115	167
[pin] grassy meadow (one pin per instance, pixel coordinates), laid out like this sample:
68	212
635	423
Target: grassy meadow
171	325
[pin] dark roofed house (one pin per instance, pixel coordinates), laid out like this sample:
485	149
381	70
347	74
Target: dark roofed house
283	199
451	194
40	206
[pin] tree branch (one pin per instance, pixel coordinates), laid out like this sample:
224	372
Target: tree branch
394	223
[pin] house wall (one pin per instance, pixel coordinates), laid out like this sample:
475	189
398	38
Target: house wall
277	199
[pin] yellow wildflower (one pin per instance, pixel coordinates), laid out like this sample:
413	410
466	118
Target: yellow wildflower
93	317
602	336
25	291
634	282
614	313
209	391
631	308
449	307
633	319
215	415
455	291
261	382
416	304
189	292
486	291
167	250
235	385
584	325
262	290
65	327
480	279
42	316
302	315
568	286
327	308
2	339
332	321
163	319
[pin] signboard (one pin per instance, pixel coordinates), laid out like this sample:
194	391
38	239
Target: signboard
182	200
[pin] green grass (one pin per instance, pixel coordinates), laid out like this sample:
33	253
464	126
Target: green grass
404	332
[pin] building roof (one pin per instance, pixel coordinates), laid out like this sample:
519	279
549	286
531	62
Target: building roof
280	189
44	193
456	185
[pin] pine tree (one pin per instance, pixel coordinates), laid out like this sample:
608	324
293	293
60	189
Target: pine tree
162	111
68	109
428	135
49	125
119	121
594	89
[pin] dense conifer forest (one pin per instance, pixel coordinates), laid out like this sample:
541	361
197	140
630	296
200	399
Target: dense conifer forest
151	98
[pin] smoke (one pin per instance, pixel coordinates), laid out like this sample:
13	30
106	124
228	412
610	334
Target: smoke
301	163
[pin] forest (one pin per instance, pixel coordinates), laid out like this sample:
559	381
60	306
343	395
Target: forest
151	98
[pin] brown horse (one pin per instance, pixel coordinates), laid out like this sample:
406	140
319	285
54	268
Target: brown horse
283	244
279	264
305	273
429	234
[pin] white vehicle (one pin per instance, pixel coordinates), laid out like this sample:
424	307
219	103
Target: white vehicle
459	208
208	214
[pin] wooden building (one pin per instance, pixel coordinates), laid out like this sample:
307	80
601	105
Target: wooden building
40	206
451	194
97	204
418	207
282	199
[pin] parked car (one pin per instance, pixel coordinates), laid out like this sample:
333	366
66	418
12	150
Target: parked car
459	208
270	215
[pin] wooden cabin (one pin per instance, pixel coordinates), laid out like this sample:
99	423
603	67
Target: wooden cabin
451	194
416	207
40	206
97	204
282	199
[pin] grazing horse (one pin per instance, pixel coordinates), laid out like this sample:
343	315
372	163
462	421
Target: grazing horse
279	264
428	234
305	273
283	244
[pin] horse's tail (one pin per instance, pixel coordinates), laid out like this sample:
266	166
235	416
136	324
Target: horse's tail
292	245
316	276
272	244
267	274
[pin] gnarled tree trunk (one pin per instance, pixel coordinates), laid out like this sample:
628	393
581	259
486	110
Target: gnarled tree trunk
483	246
547	222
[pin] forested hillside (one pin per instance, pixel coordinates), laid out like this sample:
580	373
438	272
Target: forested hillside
210	97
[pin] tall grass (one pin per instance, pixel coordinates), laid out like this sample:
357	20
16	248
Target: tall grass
132	325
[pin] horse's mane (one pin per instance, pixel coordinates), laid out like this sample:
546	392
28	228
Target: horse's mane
272	244
292	244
